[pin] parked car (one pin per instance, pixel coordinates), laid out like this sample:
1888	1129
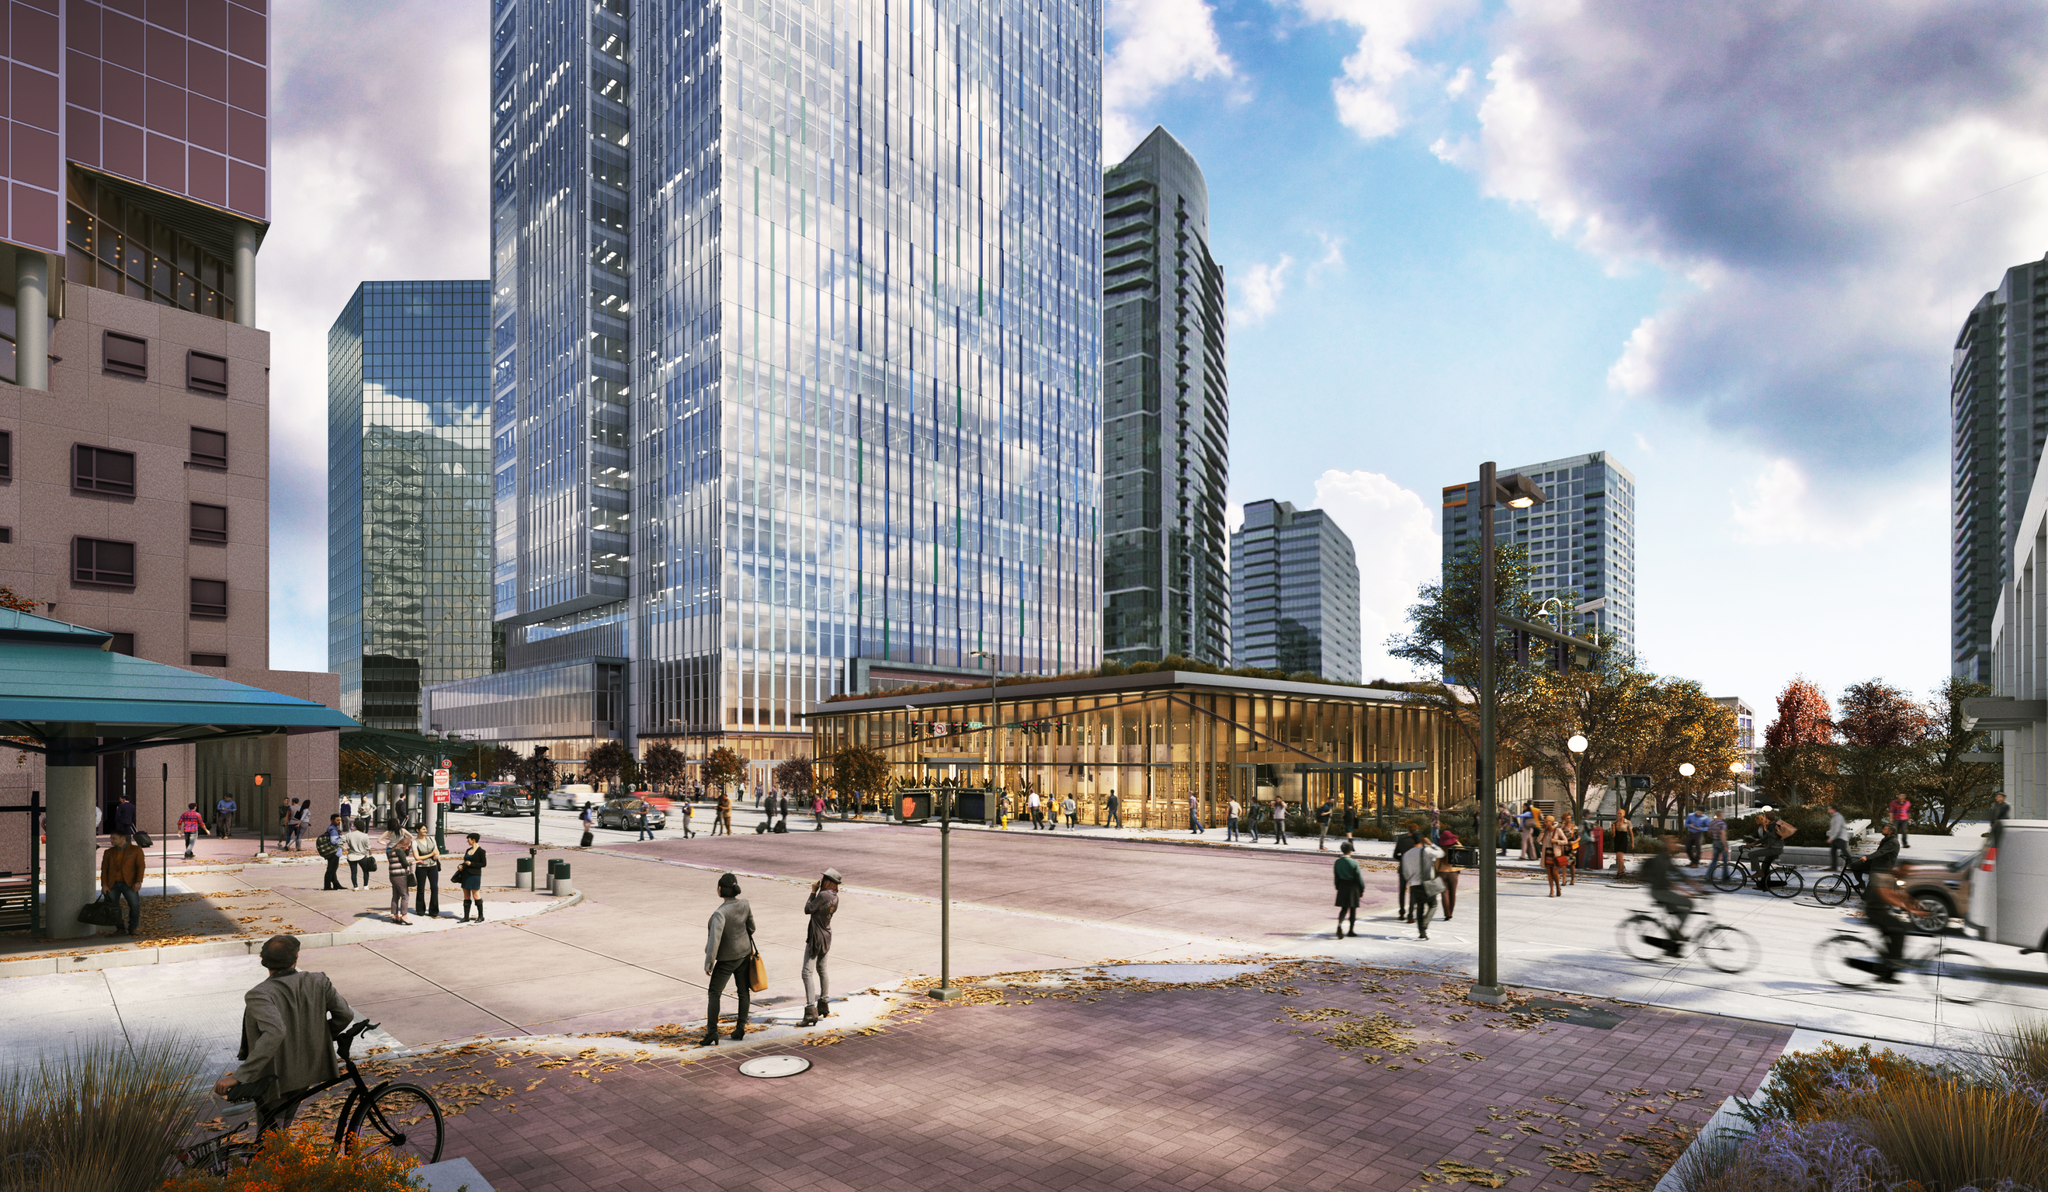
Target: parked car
462	793
2009	904
1940	889
504	800
631	814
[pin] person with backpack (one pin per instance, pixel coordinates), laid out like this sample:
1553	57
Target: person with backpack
1350	888
329	846
1771	846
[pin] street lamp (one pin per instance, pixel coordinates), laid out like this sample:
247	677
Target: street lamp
1516	492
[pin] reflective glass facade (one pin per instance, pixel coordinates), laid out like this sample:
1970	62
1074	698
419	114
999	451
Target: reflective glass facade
795	344
1294	593
409	494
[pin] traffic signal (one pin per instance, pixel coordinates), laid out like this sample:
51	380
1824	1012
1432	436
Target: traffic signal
913	807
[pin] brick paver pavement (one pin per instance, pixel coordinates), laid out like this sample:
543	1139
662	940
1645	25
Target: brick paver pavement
1238	1085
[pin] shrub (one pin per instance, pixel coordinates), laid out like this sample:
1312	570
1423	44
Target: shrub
300	1160
1800	1084
103	1117
1942	1130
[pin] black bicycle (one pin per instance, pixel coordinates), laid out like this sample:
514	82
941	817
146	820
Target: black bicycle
1955	974
1645	936
1730	876
390	1117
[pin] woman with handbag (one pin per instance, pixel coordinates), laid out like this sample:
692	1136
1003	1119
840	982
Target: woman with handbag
470	876
355	849
426	875
398	846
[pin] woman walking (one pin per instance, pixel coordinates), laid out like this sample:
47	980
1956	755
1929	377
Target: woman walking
1350	888
355	849
1418	873
398	846
1556	850
426	876
728	943
470	876
1447	870
1624	836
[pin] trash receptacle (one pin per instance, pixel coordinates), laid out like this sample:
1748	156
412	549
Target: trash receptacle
522	874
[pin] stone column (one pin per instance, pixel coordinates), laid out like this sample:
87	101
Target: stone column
245	274
72	877
31	319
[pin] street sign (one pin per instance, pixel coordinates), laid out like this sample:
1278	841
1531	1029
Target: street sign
441	780
440	794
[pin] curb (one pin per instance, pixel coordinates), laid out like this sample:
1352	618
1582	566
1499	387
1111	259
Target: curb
87	962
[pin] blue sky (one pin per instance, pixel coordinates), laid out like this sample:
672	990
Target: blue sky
1728	244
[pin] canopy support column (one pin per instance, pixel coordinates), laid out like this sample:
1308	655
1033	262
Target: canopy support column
72	776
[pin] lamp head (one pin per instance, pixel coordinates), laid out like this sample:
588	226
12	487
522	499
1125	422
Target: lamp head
1685	769
1577	744
1518	491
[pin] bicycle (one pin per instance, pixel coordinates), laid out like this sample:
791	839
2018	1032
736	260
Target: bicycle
1926	916
1786	881
1955	974
394	1115
1729	949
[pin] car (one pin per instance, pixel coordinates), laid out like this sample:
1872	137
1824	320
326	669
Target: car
503	800
1939	890
463	794
573	797
631	814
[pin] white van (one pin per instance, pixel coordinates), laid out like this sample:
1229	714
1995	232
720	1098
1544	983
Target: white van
2009	891
573	796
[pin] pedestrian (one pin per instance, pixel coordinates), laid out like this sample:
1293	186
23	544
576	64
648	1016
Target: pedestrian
822	904
724	823
1504	821
124	817
1448	867
1717	841
426	875
1279	818
224	816
1531	829
1323	814
1902	811
191	825
1070	809
287	1042
818	809
1232	821
1775	831
1402	844
355	849
647	818
1556	848
284	822
329	846
398	846
588	818
1624	836
470	877
1113	807
782	819
300	823
1195	815
1838	839
1032	810
728	943
683	805
1695	835
347	821
2000	811
121	869
1350	888
1418	873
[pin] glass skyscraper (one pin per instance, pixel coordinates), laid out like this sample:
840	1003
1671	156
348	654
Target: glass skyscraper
1294	593
795	357
409	494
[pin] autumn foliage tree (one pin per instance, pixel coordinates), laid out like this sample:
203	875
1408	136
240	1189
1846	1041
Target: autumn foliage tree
664	765
1883	732
1798	763
724	767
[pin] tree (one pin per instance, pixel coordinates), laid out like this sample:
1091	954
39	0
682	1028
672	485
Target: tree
9	598
1613	706
606	763
361	771
858	770
1688	727
1798	762
794	776
664	765
724	767
1883	734
1948	787
536	771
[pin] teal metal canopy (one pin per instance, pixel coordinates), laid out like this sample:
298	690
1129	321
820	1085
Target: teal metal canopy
61	682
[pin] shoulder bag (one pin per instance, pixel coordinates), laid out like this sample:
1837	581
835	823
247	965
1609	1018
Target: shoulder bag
757	966
369	862
100	912
141	839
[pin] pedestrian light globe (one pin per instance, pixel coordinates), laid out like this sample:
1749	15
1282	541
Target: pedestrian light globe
1685	769
1577	744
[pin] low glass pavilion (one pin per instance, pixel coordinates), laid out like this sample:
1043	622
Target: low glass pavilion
1157	738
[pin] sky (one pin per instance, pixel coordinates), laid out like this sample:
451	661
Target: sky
1729	244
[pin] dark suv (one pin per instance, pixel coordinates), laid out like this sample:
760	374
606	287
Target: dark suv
503	800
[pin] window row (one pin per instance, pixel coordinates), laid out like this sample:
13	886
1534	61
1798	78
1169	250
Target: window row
107	470
128	356
112	564
124	643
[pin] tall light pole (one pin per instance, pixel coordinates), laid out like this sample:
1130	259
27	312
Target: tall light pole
1516	492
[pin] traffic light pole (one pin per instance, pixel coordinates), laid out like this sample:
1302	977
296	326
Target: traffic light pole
945	991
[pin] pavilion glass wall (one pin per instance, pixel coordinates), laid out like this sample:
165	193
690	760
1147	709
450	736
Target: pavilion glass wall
1156	748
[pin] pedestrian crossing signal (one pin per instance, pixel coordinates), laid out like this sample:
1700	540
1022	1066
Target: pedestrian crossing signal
913	806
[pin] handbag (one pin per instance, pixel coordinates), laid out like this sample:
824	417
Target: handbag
370	863
757	967
100	912
141	839
1433	888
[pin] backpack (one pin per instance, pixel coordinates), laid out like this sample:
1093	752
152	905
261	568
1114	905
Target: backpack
326	847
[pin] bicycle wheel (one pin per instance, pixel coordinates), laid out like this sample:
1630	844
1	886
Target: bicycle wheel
1832	890
400	1119
1638	935
1729	949
1832	959
1787	882
1729	878
1958	975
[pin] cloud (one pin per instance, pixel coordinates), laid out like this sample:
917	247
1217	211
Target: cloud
1380	70
380	142
1783	508
1332	260
1154	44
1807	168
1256	292
1394	536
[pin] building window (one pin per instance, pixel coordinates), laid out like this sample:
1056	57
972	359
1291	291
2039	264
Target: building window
94	561
125	355
215	660
115	243
210	447
123	643
6	455
6	533
207	374
209	523
209	598
99	470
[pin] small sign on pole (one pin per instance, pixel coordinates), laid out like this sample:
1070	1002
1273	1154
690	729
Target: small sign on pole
441	779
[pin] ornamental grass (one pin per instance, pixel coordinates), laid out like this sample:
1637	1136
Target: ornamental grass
102	1117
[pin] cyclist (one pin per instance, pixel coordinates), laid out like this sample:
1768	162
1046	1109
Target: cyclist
1879	861
287	1044
1884	904
1671	890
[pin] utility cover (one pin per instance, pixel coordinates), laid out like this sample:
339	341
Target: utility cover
768	1067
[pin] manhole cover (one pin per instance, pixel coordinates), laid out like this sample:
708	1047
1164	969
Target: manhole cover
768	1067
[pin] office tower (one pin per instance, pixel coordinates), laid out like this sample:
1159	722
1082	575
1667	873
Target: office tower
409	494
795	359
134	384
1165	411
1581	541
1294	593
1998	412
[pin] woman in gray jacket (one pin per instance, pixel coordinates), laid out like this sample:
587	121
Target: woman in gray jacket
728	943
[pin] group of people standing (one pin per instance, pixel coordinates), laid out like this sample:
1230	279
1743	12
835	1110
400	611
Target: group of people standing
1044	813
729	952
412	865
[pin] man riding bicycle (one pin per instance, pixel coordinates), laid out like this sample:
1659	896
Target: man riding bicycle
1880	861
287	1044
1671	890
1884	904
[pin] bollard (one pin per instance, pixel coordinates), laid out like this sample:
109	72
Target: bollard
522	878
558	879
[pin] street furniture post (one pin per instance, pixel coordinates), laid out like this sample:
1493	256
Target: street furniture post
945	991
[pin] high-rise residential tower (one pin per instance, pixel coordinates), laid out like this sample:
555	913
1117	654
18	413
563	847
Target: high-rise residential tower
796	318
409	494
1998	423
1294	593
1165	411
1581	541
